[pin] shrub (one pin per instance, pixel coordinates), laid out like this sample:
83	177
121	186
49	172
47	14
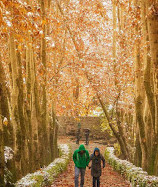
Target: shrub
47	175
134	174
8	176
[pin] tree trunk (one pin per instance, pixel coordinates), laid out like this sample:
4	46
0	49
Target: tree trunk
152	20
8	130
43	126
122	134
55	133
116	134
28	104
14	107
139	112
138	153
34	121
22	121
114	31
1	146
139	101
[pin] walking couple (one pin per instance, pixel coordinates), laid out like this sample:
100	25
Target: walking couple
82	160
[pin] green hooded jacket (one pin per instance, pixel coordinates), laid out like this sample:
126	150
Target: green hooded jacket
81	160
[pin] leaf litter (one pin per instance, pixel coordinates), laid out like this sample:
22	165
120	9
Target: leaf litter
109	176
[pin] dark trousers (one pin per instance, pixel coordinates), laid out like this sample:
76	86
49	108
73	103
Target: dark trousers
77	138
96	180
87	139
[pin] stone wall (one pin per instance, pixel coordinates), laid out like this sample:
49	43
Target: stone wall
68	126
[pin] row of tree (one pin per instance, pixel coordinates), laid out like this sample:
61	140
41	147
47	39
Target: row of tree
130	70
69	57
135	41
26	124
146	67
118	62
137	25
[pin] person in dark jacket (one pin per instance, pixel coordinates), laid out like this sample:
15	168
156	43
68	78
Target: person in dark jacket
81	160
78	136
87	131
96	159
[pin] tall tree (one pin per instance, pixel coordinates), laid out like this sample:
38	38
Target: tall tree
152	22
1	145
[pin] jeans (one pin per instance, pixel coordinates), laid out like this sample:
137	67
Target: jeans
77	172
96	179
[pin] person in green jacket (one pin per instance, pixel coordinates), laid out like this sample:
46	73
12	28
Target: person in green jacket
81	159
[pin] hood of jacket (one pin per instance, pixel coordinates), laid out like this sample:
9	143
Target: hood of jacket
82	148
96	149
